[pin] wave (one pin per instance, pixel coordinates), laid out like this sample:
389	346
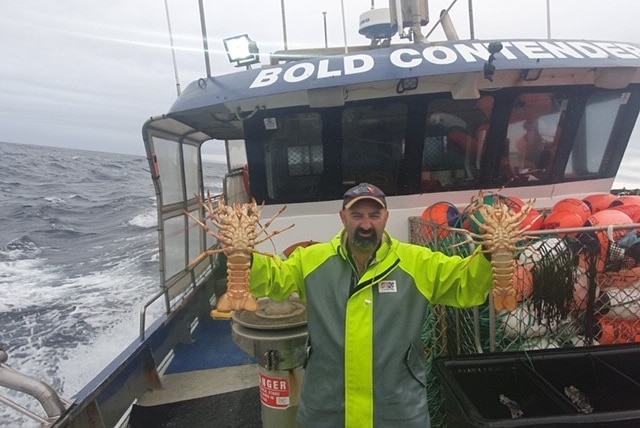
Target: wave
20	248
145	220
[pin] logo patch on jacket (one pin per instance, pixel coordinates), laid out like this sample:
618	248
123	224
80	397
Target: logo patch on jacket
387	287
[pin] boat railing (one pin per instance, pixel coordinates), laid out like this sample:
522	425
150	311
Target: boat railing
53	405
143	312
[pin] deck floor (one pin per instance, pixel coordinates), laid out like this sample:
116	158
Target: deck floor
236	409
209	382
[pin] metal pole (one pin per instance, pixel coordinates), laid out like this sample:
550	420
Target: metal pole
548	20
344	29
472	32
204	39
442	15
284	25
324	17
173	50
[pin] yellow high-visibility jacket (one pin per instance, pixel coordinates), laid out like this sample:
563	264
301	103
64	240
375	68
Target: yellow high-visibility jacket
366	364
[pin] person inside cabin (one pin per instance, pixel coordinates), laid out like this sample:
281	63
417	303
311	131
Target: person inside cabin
528	157
532	136
533	149
466	141
366	295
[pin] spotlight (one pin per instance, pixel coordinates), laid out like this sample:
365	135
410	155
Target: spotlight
242	50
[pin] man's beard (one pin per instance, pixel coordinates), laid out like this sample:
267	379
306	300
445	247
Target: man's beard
365	243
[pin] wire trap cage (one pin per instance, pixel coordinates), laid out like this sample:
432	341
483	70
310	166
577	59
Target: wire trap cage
575	288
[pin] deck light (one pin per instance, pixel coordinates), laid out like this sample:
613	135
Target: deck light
241	50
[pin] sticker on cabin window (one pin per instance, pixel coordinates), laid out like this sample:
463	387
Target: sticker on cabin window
274	391
270	123
387	287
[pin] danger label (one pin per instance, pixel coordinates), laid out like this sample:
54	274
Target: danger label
274	391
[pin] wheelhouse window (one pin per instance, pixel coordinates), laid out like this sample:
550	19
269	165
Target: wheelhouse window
594	132
305	160
373	144
532	136
432	143
454	141
293	156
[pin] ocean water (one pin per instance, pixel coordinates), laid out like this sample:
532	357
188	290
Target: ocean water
78	259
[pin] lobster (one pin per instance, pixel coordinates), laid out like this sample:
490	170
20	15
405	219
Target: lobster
239	231
500	231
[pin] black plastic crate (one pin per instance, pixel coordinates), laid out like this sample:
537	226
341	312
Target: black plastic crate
625	359
590	384
519	389
493	389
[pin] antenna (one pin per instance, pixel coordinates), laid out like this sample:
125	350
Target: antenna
284	25
173	51
204	39
472	33
344	29
324	18
548	20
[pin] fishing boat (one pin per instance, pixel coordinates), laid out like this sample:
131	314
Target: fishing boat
426	121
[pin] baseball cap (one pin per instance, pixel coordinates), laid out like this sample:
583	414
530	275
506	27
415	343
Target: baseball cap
363	191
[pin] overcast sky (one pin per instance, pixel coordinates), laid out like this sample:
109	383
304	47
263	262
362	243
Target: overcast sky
87	73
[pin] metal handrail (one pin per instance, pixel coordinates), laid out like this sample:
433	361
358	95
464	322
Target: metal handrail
143	311
49	399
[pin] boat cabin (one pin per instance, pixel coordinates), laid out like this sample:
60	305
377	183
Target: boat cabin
425	122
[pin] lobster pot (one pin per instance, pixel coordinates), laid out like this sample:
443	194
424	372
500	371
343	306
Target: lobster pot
276	334
575	289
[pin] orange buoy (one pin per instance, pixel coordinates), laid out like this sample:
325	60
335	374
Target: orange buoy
609	217
441	216
534	219
562	219
633	211
627	200
574	205
599	201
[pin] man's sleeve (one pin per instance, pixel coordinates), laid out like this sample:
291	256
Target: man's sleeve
453	280
276	278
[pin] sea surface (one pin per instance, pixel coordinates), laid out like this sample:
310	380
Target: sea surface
78	259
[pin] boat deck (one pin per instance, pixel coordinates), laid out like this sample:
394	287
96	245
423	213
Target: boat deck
210	379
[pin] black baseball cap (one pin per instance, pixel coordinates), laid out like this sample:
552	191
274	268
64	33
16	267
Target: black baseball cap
363	191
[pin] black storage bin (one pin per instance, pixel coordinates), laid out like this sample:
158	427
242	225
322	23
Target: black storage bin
528	389
604	388
473	393
625	359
